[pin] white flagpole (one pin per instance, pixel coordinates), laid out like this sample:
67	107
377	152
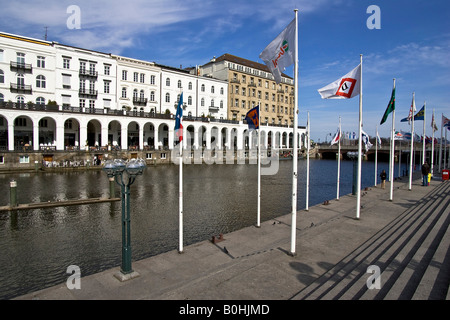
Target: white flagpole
180	203
423	147
358	183
412	142
307	162
440	144
432	144
295	156
391	169
376	156
339	160
258	219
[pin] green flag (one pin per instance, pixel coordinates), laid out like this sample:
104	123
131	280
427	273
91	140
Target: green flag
390	107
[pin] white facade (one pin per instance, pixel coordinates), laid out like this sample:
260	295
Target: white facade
202	96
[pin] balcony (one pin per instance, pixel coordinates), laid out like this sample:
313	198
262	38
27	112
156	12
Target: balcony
84	93
213	108
140	101
21	67
21	88
88	73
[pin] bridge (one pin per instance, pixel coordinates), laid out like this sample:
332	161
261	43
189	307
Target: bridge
402	151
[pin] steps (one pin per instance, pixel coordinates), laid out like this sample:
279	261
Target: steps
412	253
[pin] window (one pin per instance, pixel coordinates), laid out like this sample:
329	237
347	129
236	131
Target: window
40	81
221	90
135	94
106	86
2	77
40	62
2	159
203	88
152	79
152	96
163	155
141	94
190	86
66	63
124	92
24	159
135	76
92	68
2	99
221	103
91	103
179	84
82	86
82	103
107	69
148	156
40	100
83	66
190	100
202	102
20	58
167	97
124	74
66	81
142	78
1	55
20	80
167	82
212	89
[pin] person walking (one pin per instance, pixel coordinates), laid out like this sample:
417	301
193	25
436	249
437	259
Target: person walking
425	172
383	179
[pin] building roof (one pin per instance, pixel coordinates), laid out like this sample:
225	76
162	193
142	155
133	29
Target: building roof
244	62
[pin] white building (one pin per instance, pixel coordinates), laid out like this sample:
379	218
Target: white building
57	97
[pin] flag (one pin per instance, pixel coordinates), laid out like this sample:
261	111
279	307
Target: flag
411	112
336	138
280	53
344	88
399	135
365	139
433	123
179	120
378	139
390	107
252	118
445	121
420	115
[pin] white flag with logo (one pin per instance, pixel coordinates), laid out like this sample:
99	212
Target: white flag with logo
280	53
344	88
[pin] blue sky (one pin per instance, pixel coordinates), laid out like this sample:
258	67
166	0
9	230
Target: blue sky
412	45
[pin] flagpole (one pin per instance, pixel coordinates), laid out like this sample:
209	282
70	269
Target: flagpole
258	219
295	156
180	184
307	163
376	155
339	160
423	147
413	106
432	143
358	183
440	144
391	169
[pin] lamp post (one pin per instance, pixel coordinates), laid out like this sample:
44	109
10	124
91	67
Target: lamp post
124	175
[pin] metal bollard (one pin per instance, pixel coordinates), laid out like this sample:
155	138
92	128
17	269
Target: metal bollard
13	193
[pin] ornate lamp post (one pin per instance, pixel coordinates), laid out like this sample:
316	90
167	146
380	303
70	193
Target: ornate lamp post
124	175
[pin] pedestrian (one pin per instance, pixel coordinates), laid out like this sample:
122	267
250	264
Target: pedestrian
383	179
425	172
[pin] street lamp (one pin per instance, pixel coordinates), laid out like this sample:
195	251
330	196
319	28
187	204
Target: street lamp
124	175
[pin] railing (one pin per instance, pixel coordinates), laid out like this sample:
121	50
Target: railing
140	101
22	88
20	66
88	73
86	92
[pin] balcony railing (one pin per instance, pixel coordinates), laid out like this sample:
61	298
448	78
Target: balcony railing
88	93
88	73
20	88
140	101
16	66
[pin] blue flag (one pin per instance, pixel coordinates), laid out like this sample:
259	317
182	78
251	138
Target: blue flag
252	118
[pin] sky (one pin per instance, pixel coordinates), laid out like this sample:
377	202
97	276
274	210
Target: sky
412	45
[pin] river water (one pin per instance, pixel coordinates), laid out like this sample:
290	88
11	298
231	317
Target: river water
37	246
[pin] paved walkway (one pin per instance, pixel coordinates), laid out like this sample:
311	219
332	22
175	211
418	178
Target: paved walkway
333	252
